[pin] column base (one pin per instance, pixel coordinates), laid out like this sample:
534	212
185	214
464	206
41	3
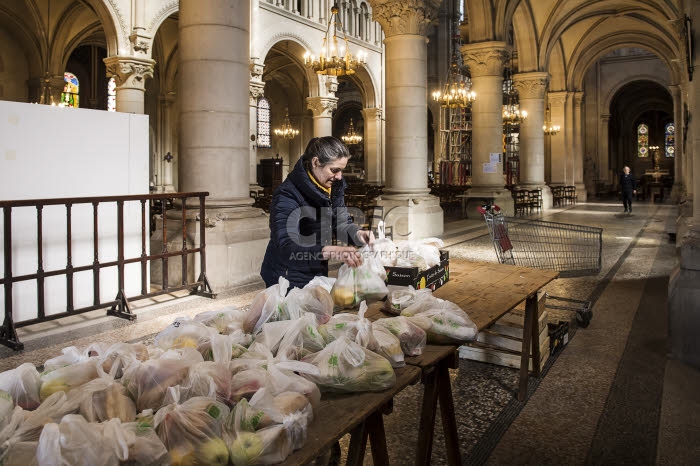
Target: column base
501	197
236	240
677	193
581	193
684	302
412	217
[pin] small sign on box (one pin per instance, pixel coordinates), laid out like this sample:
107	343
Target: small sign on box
432	278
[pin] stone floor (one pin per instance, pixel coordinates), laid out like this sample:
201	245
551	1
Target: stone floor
611	396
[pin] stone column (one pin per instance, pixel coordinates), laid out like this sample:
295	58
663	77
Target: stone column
322	109
577	135
255	91
411	210
531	88
130	74
677	191
604	150
167	153
215	141
373	145
486	61
558	148
686	134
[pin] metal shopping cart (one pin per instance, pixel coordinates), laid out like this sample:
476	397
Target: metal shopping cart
572	250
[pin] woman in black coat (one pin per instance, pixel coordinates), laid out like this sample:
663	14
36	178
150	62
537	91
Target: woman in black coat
307	210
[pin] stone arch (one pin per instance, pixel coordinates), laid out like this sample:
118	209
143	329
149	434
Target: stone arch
298	48
481	20
364	80
608	98
165	11
114	26
526	42
505	11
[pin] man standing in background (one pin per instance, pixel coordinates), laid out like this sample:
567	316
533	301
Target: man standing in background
628	187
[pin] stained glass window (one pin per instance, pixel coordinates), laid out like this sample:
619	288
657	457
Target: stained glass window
670	149
264	121
112	95
70	96
642	140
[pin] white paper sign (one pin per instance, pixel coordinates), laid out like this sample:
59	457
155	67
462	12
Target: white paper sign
489	168
495	157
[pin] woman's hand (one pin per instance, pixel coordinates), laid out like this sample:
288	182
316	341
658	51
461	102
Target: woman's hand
365	236
347	254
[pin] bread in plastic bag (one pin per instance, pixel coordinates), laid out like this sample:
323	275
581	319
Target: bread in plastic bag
223	348
148	381
67	378
346	366
136	443
400	297
26	426
76	442
119	355
22	384
314	299
192	431
411	337
225	320
266	306
324	282
103	399
212	379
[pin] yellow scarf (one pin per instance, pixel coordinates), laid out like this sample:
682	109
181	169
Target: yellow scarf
320	186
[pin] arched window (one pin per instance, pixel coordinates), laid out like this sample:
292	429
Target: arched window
112	95
670	149
642	140
364	31
70	96
264	120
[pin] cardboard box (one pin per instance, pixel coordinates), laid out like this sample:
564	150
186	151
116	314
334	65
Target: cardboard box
432	278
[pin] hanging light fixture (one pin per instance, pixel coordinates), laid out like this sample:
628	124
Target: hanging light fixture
334	59
351	137
286	131
548	128
512	114
456	93
45	94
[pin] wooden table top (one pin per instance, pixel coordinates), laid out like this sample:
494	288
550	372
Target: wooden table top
486	291
338	414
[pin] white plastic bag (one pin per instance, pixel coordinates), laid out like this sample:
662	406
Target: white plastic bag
384	248
118	356
183	333
67	378
411	337
314	299
444	322
22	384
266	306
76	442
225	320
401	297
301	338
103	399
325	282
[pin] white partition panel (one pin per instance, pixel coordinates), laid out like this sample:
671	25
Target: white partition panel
52	152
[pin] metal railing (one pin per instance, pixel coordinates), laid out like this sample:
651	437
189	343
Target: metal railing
120	305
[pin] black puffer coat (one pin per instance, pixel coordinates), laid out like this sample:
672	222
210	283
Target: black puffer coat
304	219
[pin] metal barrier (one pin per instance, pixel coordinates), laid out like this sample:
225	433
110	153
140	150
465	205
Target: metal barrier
120	305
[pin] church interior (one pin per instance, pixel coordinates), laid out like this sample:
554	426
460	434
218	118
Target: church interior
153	124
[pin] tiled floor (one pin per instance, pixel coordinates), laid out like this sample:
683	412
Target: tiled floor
610	397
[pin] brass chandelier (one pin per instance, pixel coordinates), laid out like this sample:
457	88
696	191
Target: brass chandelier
286	131
334	59
456	93
351	137
548	128
512	115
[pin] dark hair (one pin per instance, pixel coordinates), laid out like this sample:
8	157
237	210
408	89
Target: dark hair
327	149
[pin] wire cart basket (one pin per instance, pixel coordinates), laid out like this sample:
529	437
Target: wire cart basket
572	250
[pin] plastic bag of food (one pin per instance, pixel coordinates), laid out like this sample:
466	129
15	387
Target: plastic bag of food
346	366
102	399
287	376
423	254
324	282
148	381
67	378
183	333
22	384
384	248
115	359
135	443
388	345
245	383
344	289
370	277
192	431
271	334
315	299
223	348
225	320
301	338
26	426
20	453
212	379
71	355
76	442
445	323
400	297
253	438
343	324
423	300
267	305
411	337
